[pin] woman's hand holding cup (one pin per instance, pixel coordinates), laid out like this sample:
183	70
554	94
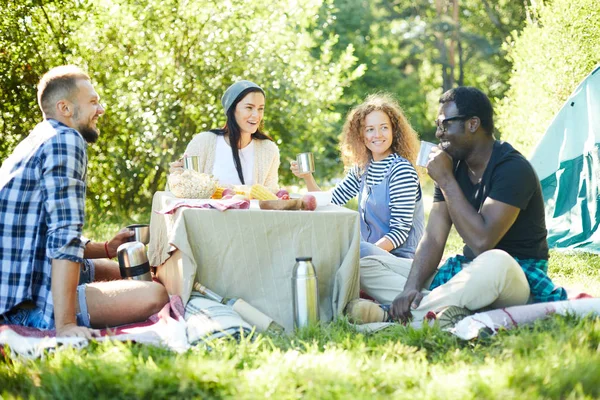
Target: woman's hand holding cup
176	166
296	171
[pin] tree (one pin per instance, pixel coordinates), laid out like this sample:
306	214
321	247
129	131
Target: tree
416	49
161	68
556	50
31	40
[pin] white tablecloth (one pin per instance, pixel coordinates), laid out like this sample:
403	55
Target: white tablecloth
251	253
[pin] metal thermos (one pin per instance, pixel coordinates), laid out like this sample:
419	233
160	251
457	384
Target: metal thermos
133	261
305	292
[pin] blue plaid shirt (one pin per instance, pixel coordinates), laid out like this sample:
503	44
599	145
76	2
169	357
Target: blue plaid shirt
42	197
541	286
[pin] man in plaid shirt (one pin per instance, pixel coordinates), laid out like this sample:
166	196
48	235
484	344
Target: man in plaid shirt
492	196
45	266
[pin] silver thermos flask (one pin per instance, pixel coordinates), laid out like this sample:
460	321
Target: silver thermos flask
133	261
305	292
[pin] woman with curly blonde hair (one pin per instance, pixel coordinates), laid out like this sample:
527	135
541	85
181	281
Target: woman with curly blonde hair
379	148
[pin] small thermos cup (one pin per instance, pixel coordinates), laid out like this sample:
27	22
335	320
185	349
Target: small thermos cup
306	162
305	292
133	261
141	233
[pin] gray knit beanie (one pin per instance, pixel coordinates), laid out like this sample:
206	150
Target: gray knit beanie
234	91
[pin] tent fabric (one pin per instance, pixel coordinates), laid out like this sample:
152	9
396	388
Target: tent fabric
567	161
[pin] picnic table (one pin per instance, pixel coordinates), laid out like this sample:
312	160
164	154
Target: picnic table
250	254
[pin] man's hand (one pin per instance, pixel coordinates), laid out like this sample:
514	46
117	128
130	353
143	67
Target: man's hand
403	303
121	237
439	167
73	330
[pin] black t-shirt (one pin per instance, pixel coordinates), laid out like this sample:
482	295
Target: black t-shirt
508	178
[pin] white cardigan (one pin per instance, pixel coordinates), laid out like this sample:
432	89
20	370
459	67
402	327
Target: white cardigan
266	157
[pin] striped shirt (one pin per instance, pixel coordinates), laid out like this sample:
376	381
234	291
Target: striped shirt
42	196
404	193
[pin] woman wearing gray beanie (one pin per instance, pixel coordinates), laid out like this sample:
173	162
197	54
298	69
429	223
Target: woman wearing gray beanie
239	153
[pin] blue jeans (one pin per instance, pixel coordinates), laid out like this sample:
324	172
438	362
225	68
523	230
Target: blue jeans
33	317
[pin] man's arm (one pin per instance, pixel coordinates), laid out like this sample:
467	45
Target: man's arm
480	231
63	187
427	257
65	277
98	250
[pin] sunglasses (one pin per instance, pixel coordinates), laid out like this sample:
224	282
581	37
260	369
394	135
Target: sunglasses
443	123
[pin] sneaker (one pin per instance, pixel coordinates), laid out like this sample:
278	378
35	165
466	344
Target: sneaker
361	311
450	316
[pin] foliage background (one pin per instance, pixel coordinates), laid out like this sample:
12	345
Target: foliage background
416	49
557	49
161	68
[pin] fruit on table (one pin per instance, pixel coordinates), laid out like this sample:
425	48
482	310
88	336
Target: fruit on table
259	192
283	194
309	202
228	193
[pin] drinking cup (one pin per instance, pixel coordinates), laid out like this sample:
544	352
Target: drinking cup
141	233
424	151
191	162
306	163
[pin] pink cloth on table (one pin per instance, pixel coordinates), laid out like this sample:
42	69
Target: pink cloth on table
220	205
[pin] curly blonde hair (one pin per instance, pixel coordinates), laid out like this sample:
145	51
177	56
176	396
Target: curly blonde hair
405	142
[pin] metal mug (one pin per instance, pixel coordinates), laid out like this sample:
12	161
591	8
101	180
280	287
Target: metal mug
133	261
141	233
306	163
191	162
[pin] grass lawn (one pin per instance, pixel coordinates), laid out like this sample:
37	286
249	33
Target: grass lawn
555	358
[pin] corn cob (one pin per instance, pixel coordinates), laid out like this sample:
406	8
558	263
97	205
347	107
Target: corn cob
218	193
259	192
242	189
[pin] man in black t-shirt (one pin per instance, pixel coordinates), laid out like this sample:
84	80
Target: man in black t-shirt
491	194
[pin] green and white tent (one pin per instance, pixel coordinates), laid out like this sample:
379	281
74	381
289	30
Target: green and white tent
567	161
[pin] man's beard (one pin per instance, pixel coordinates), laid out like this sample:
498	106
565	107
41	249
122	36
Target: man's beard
89	134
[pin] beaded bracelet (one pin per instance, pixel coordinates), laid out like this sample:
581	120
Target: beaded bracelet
106	249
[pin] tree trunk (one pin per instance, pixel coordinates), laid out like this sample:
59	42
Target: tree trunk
447	73
494	18
457	42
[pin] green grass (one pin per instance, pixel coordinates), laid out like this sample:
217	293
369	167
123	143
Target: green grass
555	358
